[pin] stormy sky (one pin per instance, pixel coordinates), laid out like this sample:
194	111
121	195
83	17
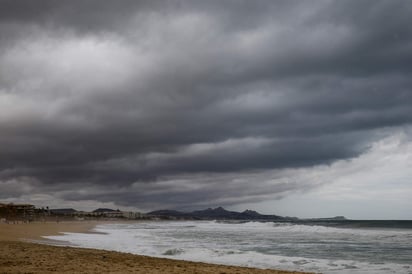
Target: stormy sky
299	108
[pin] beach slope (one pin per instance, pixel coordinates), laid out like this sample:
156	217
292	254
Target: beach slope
19	256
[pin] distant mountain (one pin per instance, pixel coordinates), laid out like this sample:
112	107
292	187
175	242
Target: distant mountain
166	212
336	218
251	213
218	213
103	210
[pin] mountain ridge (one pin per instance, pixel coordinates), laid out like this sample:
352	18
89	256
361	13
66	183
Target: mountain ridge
218	213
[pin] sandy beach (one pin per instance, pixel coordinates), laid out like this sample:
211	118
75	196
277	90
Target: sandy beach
18	255
35	230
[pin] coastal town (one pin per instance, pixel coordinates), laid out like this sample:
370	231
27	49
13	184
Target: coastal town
27	213
12	213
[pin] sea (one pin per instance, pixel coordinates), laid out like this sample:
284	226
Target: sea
321	247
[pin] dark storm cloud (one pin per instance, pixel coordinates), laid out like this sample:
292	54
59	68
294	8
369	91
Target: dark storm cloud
125	94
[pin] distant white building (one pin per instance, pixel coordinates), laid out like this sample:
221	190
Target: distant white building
132	215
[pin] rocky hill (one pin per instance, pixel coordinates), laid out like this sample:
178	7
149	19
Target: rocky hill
218	213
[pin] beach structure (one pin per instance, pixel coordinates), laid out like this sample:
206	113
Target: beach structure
97	213
28	212
111	213
17	211
107	212
64	211
133	215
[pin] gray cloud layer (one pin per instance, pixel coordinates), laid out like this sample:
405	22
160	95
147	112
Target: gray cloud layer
152	103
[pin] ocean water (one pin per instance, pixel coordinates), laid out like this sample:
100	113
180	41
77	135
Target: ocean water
288	246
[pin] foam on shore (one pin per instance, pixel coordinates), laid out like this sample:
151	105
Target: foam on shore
181	240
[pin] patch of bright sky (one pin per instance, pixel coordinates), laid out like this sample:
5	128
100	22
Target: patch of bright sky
375	185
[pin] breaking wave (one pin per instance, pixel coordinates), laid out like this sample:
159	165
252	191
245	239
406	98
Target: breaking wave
257	244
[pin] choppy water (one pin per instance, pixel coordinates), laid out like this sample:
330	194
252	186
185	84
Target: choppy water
305	247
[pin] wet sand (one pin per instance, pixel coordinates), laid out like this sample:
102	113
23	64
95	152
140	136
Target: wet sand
35	230
19	256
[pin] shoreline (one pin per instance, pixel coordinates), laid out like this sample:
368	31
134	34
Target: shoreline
37	229
22	249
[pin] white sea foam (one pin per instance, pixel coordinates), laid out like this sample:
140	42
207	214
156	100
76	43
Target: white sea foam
253	244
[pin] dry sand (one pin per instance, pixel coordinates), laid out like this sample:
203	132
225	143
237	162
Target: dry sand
19	256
